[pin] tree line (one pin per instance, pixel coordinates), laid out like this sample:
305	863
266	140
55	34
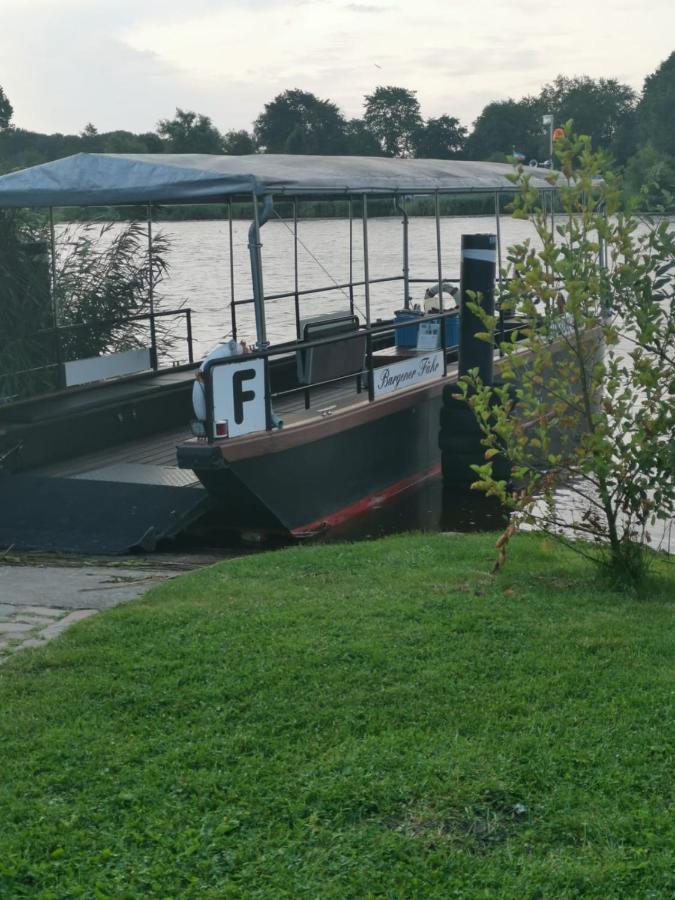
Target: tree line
637	130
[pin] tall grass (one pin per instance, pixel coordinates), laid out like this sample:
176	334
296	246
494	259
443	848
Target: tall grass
102	278
25	306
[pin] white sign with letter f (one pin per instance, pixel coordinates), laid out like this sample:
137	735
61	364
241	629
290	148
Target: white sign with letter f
238	390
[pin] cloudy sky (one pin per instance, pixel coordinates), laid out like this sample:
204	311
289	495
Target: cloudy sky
127	63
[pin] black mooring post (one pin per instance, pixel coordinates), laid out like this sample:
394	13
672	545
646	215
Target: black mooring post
478	268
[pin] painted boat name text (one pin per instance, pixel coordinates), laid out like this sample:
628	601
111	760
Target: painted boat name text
407	373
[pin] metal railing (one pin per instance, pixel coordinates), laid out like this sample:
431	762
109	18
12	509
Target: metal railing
366	373
349	286
60	332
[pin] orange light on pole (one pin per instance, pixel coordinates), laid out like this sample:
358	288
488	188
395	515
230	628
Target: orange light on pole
558	134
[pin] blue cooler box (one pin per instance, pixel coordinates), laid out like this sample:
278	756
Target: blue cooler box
407	337
452	330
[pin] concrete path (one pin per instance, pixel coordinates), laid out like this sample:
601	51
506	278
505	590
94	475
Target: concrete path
39	601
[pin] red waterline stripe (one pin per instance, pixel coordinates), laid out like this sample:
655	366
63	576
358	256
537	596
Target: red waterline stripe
372	501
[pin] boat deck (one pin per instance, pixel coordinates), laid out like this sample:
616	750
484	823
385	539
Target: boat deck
324	400
72	402
152	460
110	496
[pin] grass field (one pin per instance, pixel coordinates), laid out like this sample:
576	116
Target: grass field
373	720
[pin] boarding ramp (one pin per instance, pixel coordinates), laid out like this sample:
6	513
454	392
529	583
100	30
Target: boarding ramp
127	498
94	471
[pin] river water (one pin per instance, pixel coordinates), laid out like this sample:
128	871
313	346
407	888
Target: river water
199	275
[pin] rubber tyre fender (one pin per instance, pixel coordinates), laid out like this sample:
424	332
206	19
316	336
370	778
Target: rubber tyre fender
457	466
458	417
464	444
461	463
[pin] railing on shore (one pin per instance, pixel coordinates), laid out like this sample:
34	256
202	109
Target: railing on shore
55	342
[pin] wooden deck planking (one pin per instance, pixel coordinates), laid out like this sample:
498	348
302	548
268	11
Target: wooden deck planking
292	408
159	450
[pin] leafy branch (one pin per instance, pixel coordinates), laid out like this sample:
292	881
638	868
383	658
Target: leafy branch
586	403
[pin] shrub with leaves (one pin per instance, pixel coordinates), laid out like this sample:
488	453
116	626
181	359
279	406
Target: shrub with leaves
102	279
585	415
25	305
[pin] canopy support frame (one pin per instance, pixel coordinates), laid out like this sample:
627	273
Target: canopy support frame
151	291
255	247
351	256
366	264
296	280
439	262
406	259
55	303
499	267
233	305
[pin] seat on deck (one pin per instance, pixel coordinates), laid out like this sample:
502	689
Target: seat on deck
331	361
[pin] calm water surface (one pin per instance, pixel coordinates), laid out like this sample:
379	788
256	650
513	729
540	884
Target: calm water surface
199	274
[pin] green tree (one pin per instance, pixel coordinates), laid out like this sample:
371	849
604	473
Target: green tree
656	110
441	138
91	140
19	148
299	122
150	141
190	132
392	114
506	126
238	143
585	417
604	109
6	110
650	177
360	141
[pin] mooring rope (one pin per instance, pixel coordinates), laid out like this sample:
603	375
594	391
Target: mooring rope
317	261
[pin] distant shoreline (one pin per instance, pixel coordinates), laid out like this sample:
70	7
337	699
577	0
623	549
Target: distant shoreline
310	209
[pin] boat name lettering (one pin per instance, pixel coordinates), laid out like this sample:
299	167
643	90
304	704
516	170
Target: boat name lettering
407	373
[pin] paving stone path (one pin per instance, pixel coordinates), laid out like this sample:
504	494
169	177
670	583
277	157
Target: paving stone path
32	626
38	602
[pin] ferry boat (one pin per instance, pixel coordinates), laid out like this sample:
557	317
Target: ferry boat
296	437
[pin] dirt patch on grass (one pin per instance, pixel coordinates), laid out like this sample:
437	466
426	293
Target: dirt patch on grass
479	826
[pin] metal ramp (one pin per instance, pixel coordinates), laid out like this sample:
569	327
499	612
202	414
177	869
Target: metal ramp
81	515
118	500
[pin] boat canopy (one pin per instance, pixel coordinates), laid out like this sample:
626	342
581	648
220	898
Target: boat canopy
106	179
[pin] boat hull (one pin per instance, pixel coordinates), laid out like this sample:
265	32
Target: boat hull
309	479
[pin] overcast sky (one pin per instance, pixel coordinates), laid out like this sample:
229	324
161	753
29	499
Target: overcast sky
127	63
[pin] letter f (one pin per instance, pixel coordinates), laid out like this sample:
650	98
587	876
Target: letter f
240	395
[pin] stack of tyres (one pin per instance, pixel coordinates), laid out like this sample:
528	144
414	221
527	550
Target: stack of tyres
460	442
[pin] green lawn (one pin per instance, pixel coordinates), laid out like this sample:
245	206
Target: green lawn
373	720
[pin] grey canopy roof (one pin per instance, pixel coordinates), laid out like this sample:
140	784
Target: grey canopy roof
102	179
